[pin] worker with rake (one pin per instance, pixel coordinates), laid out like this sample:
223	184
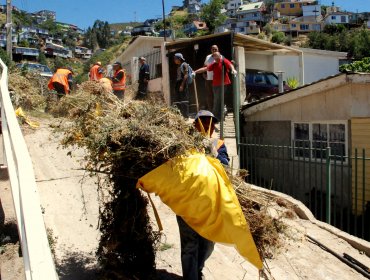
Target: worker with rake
195	249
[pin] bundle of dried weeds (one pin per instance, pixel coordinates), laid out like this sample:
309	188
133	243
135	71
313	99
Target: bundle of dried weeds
28	90
266	229
69	105
125	141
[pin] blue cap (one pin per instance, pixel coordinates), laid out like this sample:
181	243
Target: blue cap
179	56
205	113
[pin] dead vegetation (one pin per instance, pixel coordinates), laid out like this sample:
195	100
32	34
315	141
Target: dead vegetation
28	90
124	141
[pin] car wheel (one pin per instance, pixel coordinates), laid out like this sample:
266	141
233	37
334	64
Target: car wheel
253	98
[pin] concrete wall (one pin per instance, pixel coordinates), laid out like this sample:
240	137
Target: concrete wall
141	46
339	103
258	61
155	85
326	62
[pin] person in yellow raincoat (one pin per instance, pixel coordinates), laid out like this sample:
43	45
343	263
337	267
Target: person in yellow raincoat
195	249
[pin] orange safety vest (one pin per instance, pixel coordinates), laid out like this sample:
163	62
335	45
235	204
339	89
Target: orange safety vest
120	85
61	77
94	73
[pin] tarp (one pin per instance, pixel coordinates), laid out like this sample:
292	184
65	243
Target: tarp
197	188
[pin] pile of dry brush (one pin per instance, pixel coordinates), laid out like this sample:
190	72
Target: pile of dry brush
124	141
28	90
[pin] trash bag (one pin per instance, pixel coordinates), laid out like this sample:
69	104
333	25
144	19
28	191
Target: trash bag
197	188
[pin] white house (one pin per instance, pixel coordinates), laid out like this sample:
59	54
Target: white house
337	18
311	10
232	6
251	12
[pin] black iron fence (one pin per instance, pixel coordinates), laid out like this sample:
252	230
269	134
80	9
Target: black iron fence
334	185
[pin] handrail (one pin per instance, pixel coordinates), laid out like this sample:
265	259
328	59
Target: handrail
37	257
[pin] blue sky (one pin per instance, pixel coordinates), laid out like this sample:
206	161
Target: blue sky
83	13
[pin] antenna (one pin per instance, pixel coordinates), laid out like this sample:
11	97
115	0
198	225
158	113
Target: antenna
135	16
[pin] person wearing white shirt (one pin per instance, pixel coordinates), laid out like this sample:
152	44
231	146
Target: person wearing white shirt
209	78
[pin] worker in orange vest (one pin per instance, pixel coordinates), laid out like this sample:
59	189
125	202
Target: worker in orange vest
61	81
119	80
96	72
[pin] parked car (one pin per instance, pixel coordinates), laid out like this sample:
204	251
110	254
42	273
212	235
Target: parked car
36	67
260	84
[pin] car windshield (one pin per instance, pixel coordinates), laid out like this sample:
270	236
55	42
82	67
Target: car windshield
272	79
37	67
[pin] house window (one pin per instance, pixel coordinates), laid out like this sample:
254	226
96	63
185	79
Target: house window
283	6
291	6
333	17
241	29
304	27
255	15
294	25
343	19
311	140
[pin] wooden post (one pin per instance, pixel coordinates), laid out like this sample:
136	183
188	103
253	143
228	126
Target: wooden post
196	94
8	25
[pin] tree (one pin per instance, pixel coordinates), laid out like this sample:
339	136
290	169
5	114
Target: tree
42	58
4	57
278	37
98	36
268	29
22	18
211	14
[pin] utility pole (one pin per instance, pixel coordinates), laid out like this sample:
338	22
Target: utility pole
8	25
164	22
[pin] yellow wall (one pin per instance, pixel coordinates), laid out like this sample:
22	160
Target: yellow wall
360	136
287	10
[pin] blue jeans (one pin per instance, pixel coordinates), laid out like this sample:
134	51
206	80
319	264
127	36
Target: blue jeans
195	250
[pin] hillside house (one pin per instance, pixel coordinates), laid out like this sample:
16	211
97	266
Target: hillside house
299	25
20	53
192	28
3	38
55	50
337	18
82	52
287	8
252	12
43	15
319	129
194	6
232	6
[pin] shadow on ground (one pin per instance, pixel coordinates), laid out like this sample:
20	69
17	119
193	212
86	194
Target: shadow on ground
165	275
77	266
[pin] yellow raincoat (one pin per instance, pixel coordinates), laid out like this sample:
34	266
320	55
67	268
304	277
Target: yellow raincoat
197	188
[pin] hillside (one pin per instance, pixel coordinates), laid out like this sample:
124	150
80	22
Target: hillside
121	26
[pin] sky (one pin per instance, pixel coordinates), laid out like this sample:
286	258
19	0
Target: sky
83	13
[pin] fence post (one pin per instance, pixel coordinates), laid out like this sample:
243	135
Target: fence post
328	185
